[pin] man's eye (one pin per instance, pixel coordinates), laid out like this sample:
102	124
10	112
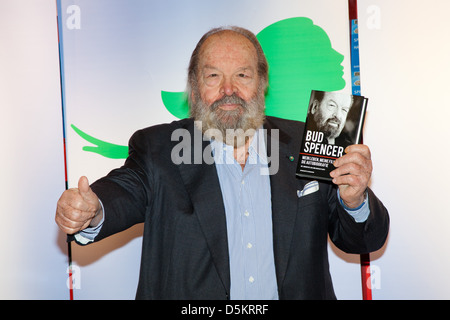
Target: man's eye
212	79
244	77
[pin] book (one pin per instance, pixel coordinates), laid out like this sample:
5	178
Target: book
333	122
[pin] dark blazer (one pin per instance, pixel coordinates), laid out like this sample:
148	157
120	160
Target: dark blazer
185	249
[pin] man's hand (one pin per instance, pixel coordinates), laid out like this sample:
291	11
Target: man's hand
352	174
78	208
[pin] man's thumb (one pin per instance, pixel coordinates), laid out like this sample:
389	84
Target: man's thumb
83	186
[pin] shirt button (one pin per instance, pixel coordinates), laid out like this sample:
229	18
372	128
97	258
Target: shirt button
242	182
249	245
251	279
246	213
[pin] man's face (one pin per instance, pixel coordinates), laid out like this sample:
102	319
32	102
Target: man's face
330	114
228	65
229	94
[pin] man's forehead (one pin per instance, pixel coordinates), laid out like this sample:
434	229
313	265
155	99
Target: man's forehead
226	35
338	98
228	41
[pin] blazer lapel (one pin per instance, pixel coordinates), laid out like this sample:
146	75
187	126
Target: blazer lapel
283	192
202	183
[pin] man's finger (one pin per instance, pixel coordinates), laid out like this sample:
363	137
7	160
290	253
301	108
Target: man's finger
69	220
352	157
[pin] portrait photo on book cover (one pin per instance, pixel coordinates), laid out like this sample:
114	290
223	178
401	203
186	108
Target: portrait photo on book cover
337	115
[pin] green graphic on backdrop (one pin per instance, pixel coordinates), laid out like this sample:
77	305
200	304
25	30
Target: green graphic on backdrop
106	149
300	58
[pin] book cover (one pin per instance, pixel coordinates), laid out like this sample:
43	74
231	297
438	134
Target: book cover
333	122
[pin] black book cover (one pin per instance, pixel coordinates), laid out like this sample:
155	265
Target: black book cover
334	121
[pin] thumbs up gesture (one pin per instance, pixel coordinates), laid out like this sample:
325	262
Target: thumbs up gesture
78	208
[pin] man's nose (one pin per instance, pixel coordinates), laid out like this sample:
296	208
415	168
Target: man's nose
336	112
340	113
228	86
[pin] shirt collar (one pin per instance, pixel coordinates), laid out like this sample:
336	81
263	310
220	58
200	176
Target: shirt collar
224	153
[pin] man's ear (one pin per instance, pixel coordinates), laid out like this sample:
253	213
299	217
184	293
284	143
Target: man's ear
193	96
314	106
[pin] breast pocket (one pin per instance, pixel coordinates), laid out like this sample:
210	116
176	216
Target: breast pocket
312	215
310	199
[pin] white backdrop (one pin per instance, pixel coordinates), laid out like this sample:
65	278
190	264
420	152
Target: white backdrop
33	252
404	63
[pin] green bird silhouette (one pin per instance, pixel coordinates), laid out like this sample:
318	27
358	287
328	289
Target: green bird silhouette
301	59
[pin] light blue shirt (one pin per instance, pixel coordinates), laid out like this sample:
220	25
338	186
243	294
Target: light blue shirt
248	208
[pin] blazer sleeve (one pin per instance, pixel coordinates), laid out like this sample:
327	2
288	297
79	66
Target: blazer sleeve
353	237
125	192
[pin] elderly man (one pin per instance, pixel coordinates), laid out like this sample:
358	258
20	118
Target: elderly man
227	228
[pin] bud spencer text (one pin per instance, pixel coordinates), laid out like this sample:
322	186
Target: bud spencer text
314	145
